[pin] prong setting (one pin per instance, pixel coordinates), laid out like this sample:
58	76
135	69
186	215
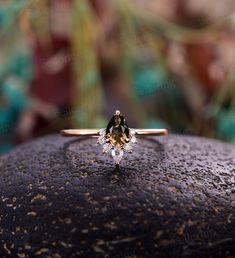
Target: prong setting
117	113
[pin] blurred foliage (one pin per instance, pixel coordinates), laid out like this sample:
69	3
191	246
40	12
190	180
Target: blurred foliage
87	99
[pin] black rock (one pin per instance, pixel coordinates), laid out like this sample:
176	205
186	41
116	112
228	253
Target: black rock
172	197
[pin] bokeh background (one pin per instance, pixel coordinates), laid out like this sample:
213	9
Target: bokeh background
72	63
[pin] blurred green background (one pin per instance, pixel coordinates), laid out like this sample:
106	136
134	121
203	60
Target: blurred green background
71	64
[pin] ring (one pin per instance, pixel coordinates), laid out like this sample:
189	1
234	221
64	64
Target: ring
117	137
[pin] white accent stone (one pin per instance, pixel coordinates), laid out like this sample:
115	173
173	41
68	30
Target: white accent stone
107	147
102	132
128	147
101	140
117	155
133	139
132	132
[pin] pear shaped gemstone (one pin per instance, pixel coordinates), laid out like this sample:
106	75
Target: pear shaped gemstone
117	131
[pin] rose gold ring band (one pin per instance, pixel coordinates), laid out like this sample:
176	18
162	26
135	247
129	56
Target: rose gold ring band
95	132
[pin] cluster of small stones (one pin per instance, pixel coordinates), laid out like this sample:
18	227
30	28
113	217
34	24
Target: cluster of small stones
117	151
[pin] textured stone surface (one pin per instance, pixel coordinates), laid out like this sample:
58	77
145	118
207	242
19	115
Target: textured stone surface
172	197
